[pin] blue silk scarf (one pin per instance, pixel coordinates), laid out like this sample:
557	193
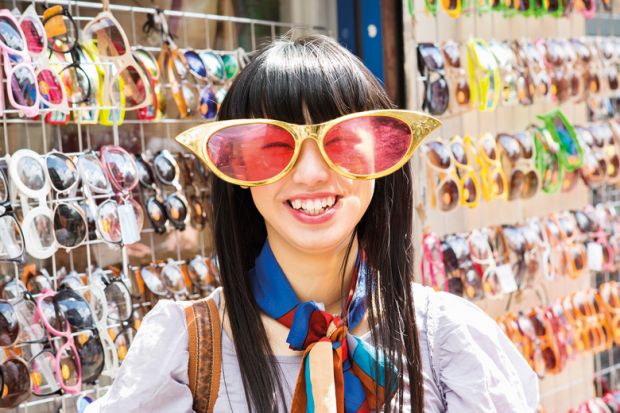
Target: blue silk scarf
338	369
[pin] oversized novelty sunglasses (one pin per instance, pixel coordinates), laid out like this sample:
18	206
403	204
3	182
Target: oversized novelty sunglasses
363	145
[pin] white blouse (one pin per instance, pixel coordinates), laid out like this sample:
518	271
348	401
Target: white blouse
469	365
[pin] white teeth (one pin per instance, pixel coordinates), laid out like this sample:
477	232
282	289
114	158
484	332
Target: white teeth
313	206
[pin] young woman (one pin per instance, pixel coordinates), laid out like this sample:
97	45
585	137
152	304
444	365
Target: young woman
318	305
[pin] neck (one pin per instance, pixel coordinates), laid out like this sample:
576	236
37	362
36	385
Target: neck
317	276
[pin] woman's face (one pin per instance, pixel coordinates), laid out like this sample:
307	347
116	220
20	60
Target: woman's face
313	208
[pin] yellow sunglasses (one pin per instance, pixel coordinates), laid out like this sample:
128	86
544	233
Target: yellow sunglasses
492	176
362	145
484	76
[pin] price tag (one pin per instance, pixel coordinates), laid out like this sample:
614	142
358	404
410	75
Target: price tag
595	256
11	248
506	278
129	224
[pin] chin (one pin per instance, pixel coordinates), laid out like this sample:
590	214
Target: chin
314	241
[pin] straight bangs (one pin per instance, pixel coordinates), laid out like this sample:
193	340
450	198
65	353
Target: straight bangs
303	81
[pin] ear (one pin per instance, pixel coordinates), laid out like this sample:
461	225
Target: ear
244	187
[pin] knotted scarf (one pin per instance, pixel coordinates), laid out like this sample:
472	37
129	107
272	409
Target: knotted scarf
338	372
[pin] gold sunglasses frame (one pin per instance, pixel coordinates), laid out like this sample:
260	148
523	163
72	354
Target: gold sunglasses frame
197	138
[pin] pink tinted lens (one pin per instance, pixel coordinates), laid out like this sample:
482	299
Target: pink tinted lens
50	87
252	152
368	145
109	39
134	90
35	35
121	167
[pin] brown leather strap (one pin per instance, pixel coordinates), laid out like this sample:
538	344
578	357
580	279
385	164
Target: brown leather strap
203	328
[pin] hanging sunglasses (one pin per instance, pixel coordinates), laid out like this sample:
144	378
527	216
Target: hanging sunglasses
209	102
233	62
70	225
52	92
576	258
587	8
533	354
107	34
604	136
94	181
507	64
196	189
594	334
444	183
254	152
201	273
174	207
532	60
72	307
22	86
120	222
185	94
196	66
593	171
492	176
469	184
556	61
16	382
484	76
517	152
167	171
553	349
164	280
61	29
541	244
456	73
106	304
436	89
214	66
432	263
482	257
452	8
157	109
562	131
11	236
463	275
120	310
548	163
535	255
28	176
66	361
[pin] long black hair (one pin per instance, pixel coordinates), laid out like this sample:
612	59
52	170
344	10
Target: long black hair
297	80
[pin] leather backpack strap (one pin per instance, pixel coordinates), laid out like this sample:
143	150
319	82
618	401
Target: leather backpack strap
205	358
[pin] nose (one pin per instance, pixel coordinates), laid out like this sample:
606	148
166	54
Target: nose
310	168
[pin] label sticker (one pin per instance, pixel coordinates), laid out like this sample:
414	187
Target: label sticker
506	278
129	224
595	256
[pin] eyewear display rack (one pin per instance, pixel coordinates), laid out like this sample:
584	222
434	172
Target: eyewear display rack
194	30
574	385
607	363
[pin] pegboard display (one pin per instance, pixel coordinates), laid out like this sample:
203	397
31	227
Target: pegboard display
579	380
117	259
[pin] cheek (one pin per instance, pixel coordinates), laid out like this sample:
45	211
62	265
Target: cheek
265	198
363	191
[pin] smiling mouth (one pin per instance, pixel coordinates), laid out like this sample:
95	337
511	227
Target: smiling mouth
313	207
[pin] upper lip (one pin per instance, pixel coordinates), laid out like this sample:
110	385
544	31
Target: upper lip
314	195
